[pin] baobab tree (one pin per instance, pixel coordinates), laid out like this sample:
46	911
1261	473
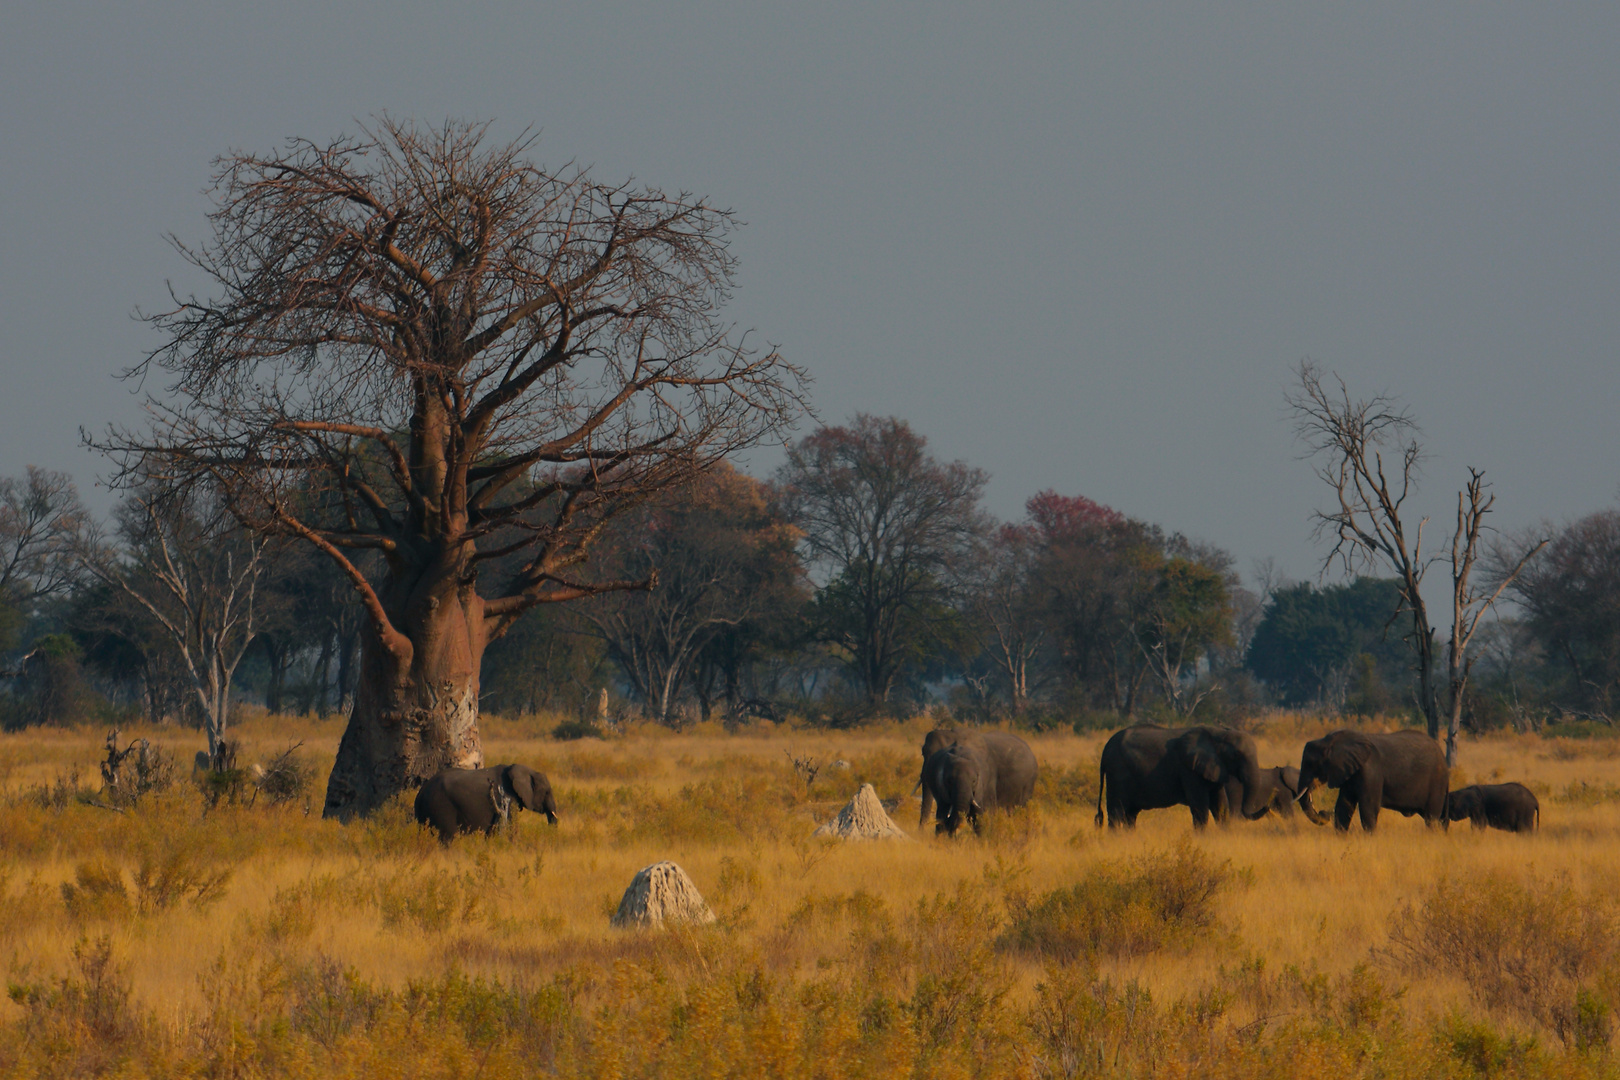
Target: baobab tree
423	345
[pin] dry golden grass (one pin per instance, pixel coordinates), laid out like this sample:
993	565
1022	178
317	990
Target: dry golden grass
331	948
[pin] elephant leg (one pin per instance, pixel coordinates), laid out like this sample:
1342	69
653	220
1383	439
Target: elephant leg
1343	811
1198	801
1372	797
1119	817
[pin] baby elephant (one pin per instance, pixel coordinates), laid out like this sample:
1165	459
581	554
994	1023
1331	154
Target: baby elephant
462	800
1510	807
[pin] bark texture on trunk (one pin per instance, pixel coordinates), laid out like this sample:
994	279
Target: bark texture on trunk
416	706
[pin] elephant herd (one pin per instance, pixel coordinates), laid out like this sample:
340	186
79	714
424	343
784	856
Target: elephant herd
1213	771
1216	771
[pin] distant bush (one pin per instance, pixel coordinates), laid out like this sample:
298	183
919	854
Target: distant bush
97	1003
1122	909
57	794
570	730
1089	720
1075	786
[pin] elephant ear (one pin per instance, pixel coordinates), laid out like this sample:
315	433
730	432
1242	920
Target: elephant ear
1347	756
1201	756
519	781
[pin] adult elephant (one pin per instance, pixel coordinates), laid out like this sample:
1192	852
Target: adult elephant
1008	756
1281	783
1509	807
464	800
961	780
1146	767
1403	770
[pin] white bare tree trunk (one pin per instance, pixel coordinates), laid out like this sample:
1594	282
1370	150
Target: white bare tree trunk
199	585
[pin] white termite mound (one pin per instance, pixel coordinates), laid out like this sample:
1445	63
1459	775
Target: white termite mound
862	818
661	893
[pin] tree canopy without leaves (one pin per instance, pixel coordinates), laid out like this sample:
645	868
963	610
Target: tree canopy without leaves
195	575
41	525
1371	526
423	345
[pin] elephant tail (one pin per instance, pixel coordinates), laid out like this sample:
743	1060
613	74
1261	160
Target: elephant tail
1102	778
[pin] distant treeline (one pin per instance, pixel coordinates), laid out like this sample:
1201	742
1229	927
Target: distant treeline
862	579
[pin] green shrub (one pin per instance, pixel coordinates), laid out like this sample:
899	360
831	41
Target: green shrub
571	730
1485	1050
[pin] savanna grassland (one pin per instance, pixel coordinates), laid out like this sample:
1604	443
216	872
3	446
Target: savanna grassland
175	938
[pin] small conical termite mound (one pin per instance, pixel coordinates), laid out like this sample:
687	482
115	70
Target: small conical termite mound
661	893
862	818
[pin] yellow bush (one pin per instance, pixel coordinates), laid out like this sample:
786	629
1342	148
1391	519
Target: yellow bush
1270	949
1122	909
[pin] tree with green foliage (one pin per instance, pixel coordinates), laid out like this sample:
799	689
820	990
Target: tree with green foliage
1311	641
1570	596
887	526
724	560
1183	613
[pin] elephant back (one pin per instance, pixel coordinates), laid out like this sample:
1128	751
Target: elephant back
1014	766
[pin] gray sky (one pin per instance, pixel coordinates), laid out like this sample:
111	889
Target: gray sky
1078	245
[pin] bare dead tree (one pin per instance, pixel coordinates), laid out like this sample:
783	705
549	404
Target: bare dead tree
195	574
1470	601
1369	528
41	522
433	349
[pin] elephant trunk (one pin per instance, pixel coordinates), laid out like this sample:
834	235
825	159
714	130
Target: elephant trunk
1256	788
1311	812
1307	780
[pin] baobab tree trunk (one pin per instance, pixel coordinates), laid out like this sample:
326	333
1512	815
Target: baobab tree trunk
416	706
